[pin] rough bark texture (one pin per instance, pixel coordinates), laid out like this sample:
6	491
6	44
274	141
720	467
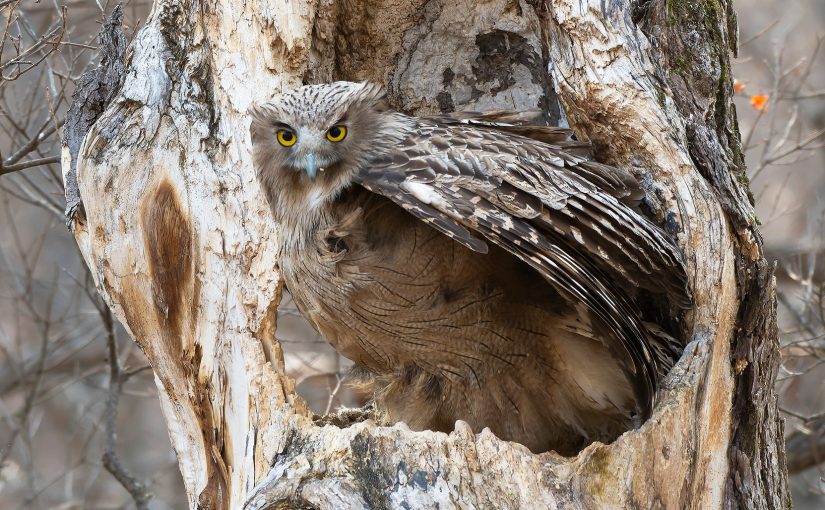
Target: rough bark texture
182	246
95	91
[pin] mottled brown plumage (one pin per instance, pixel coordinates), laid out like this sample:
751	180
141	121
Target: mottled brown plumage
476	266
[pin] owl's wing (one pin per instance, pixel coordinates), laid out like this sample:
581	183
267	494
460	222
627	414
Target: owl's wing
566	216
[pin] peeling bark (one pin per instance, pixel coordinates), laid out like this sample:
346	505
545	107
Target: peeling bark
94	92
181	243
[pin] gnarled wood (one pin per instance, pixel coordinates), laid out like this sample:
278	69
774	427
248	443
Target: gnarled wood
181	242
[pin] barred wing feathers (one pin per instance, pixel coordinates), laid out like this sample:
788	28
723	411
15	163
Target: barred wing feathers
534	193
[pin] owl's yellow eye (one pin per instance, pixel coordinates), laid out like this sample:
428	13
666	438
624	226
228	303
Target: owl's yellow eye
287	138
336	133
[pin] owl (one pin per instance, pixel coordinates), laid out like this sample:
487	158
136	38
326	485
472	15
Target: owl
473	266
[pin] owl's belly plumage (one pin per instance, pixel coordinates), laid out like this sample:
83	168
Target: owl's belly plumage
450	334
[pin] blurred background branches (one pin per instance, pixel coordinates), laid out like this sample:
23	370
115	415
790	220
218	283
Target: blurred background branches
780	86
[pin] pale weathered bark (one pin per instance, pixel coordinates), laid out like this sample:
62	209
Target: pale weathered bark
181	243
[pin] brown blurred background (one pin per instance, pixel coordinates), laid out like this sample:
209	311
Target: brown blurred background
55	335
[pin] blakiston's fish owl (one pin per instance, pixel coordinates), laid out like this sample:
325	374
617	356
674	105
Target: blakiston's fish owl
477	267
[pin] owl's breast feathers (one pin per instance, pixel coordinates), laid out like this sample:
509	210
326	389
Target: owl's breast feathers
513	310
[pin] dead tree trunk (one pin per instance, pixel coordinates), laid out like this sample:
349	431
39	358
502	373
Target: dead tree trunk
168	214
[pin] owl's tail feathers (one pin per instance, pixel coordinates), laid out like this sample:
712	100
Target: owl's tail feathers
666	349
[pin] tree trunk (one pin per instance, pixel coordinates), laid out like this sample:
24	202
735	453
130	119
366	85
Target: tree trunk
172	223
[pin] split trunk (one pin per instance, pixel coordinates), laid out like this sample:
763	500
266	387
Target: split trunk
168	214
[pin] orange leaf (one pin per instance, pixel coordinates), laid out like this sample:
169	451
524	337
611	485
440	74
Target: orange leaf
738	86
760	102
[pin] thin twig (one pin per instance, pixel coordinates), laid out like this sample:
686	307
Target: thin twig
138	490
42	134
28	164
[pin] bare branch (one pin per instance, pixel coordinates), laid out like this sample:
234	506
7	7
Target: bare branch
45	45
43	133
138	490
28	164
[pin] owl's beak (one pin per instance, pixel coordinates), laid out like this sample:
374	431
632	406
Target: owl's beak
310	167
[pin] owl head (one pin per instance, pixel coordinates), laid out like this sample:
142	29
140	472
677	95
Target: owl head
308	142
